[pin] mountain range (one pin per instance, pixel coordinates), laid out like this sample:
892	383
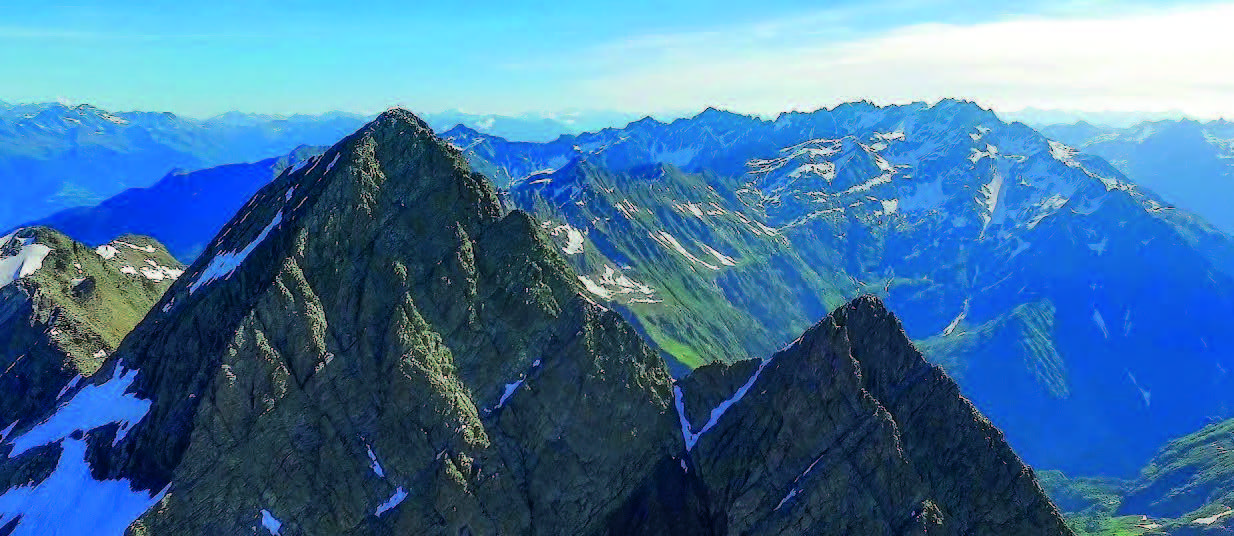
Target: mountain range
1005	253
375	344
67	156
73	156
1047	281
1191	164
721	237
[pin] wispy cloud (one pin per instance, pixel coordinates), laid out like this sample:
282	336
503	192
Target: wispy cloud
1145	60
20	33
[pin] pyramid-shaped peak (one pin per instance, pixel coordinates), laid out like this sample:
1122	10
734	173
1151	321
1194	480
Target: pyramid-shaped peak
400	118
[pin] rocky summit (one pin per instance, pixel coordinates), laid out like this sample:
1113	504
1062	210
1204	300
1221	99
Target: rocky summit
374	345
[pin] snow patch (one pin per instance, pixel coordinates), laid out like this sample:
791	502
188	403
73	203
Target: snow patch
159	273
223	264
687	433
25	262
71	502
147	249
722	258
574	239
106	251
595	288
977	154
377	470
1046	208
1213	518
510	389
667	240
867	185
1144	393
890	206
93	406
270	523
959	318
395	500
1097	319
988	200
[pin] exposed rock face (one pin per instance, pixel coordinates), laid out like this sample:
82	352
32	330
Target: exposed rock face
374	346
393	308
850	431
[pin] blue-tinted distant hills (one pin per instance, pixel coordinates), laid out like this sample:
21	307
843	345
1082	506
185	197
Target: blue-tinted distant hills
54	156
184	209
1191	164
66	156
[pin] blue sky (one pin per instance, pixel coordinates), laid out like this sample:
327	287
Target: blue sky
637	56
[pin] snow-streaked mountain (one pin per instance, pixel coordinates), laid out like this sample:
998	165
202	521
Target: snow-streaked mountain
534	127
375	345
1189	163
1042	277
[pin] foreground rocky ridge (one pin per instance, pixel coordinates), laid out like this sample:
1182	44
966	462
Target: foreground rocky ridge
374	345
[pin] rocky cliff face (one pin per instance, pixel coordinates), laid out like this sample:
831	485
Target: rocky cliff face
394	353
373	345
850	431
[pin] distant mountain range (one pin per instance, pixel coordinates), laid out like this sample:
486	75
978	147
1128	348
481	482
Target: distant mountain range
1038	117
56	156
1191	164
182	208
69	156
535	127
1044	279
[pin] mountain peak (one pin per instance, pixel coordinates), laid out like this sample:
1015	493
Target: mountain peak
401	117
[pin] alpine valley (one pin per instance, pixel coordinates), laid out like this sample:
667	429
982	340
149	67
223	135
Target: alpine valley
665	328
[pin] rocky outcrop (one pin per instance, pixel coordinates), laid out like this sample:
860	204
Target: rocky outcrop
374	345
850	431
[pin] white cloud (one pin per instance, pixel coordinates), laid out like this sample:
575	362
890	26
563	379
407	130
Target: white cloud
1146	61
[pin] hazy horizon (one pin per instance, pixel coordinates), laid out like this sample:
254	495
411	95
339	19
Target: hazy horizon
1031	115
642	58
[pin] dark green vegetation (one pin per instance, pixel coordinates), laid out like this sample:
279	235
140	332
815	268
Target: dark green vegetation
1186	489
64	319
394	352
699	277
